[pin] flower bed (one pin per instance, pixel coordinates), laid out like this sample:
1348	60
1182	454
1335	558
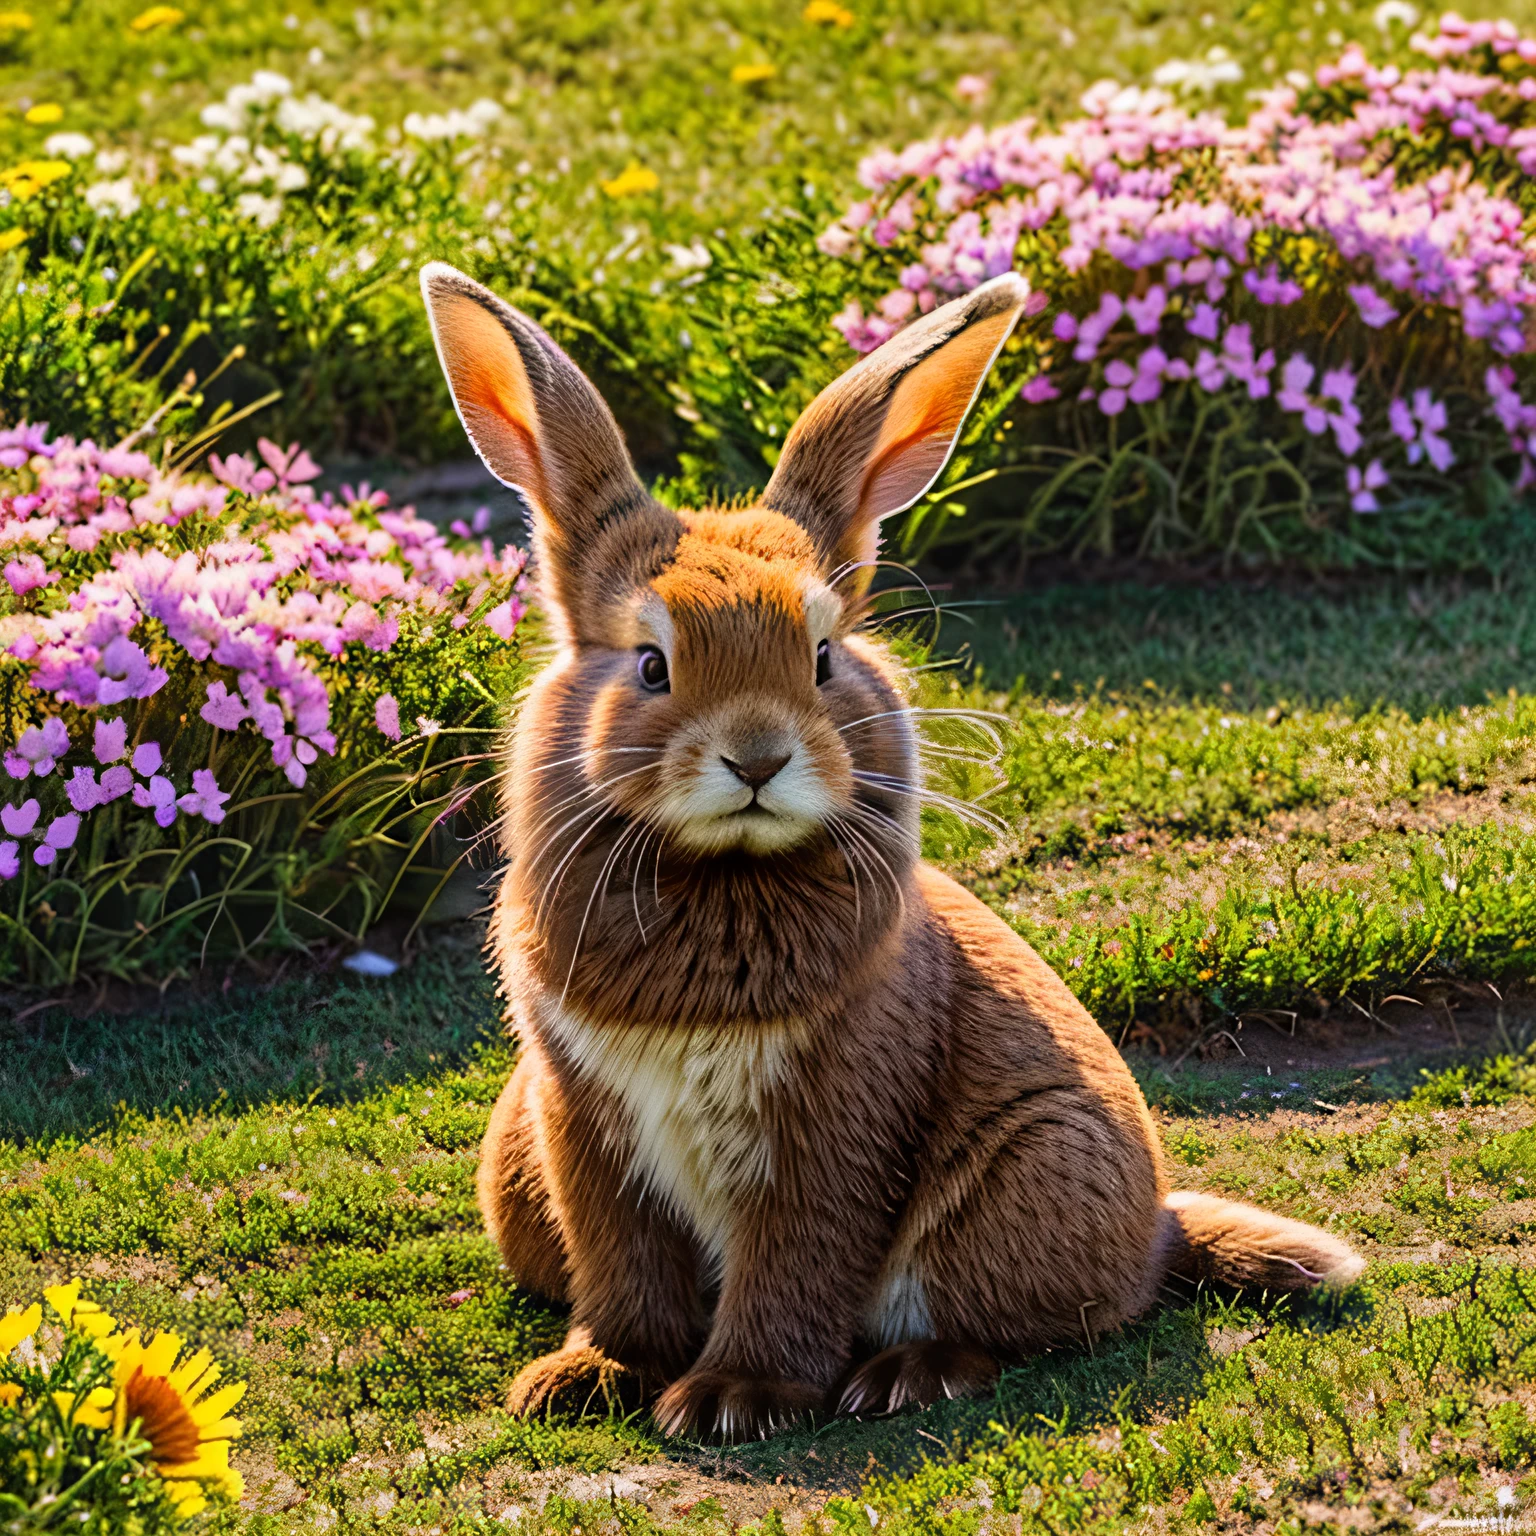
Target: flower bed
1244	332
208	685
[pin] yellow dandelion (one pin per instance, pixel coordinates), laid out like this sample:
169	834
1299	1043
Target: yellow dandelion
9	1393
632	181
11	239
157	16
752	74
45	112
31	176
827	13
79	1312
15	21
178	1414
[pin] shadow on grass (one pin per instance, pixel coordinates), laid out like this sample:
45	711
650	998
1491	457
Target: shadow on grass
323	1037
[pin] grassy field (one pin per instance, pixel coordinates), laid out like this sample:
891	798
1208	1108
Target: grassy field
285	1171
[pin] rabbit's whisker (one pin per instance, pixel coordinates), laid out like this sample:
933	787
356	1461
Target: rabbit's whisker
597	896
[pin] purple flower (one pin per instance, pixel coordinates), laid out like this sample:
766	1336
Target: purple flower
1401	420
1112	401
206	799
1338	384
159	795
1119	373
1375	311
386	715
62	831
146	760
127	674
1064	328
1204	323
111	740
18	820
224	709
1296	379
38	749
1362	486
116	782
1039	389
83	791
1147	313
10	861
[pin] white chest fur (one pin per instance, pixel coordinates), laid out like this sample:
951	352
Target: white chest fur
697	1101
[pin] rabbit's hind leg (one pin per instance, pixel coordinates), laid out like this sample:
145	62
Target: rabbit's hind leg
921	1372
514	1197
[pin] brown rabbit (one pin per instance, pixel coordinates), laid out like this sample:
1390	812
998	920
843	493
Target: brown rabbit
784	1090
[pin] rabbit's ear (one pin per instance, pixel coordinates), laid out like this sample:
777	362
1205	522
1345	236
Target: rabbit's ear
874	440
533	417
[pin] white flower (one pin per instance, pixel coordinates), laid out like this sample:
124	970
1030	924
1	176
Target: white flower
270	85
689	258
317	118
454	124
198	153
112	197
110	161
265	210
1218	67
1394	10
68	146
1110	97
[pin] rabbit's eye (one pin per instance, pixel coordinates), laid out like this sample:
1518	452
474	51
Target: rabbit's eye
823	662
653	670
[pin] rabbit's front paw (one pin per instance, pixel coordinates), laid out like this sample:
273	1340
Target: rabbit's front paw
576	1379
732	1406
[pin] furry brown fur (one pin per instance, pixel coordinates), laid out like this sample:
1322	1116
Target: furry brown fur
784	1091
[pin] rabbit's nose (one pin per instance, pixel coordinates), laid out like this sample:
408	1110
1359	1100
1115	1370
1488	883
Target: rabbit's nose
756	771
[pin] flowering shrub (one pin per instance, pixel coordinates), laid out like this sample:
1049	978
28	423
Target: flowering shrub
105	1430
1243	331
205	681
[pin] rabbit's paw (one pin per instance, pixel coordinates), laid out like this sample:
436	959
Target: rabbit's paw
576	1379
733	1407
920	1373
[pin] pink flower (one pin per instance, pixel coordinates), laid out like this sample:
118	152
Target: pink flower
1147	313
386	715
973	89
503	618
1204	323
224	709
111	740
18	820
24	647
159	795
147	759
10	860
28	572
206	798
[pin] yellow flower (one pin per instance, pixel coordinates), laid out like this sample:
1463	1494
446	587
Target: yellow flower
31	176
824	13
632	181
78	1312
94	1412
751	74
17	1325
45	112
9	1392
157	16
11	239
175	1410
15	21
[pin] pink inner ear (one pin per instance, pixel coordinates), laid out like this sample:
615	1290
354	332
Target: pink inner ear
925	415
491	390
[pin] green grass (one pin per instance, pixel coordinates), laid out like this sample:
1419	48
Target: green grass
284	1171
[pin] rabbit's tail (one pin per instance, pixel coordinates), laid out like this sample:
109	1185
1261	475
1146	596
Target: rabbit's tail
1213	1239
